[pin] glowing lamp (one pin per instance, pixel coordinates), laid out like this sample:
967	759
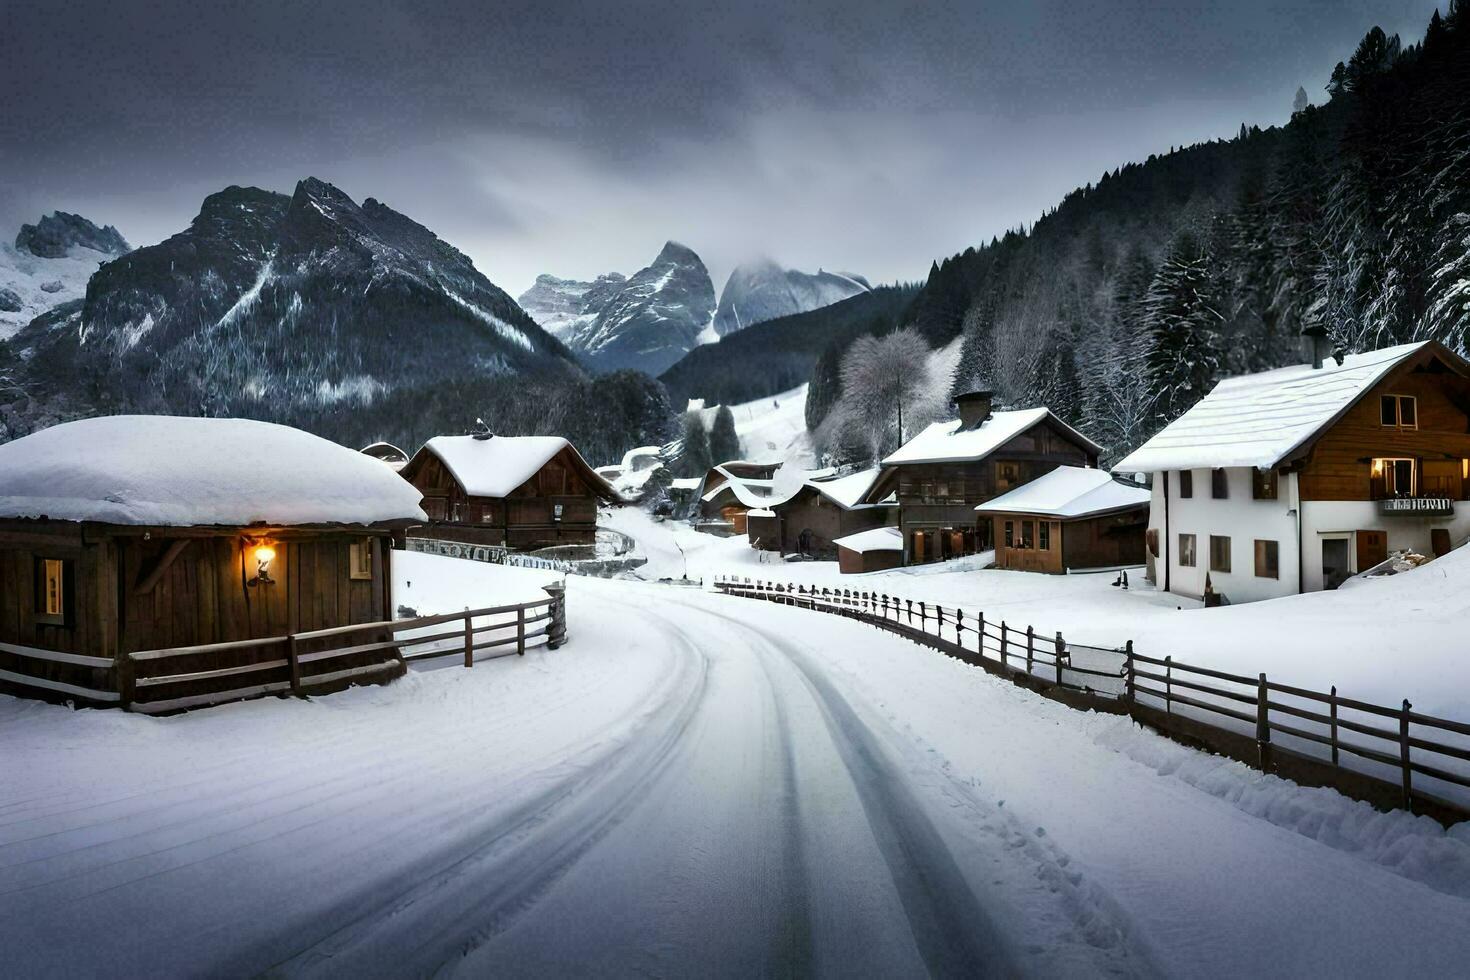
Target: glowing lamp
263	554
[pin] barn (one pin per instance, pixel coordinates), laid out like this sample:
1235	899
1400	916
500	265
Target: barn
1072	518
870	551
159	562
520	492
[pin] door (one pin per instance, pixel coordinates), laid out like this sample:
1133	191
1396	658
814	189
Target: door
1372	549
1335	559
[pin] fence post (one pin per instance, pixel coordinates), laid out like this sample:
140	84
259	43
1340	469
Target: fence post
909	603
556	629
1404	756
1030	647
1263	725
1061	651
959	628
294	660
1003	643
939	627
980	633
923	617
1128	671
1169	684
521	631
469	641
1332	710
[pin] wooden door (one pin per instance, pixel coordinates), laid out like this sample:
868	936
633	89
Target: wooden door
1372	549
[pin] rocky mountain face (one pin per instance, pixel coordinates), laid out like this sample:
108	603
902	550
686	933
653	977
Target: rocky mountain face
762	290
56	234
50	264
290	308
645	322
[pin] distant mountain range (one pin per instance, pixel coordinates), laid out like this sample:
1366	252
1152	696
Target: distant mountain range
50	264
651	320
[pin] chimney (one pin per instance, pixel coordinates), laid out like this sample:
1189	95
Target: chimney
974	408
1318	344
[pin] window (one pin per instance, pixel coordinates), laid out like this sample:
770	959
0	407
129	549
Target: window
1007	475
360	559
1186	484
1442	478
1393	477
1263	484
1186	550
1010	534
1398	411
1219	553
1028	539
1219	487
53	591
1046	535
556	511
1267	559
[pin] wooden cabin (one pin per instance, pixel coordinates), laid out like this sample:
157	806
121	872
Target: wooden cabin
732	489
809	521
132	547
873	550
1071	519
520	492
941	474
1293	480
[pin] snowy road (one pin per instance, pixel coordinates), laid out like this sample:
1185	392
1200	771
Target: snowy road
687	789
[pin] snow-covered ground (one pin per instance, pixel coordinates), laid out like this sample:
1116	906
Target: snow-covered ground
694	784
771	429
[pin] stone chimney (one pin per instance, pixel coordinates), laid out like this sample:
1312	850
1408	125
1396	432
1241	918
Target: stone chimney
974	408
1318	346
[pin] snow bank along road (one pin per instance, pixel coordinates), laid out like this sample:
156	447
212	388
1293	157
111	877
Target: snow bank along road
696	784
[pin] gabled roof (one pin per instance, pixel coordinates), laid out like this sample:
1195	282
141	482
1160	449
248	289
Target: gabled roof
495	467
1068	492
847	492
876	539
948	442
173	471
1265	419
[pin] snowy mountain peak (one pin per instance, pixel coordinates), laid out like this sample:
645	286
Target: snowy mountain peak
58	233
49	266
762	290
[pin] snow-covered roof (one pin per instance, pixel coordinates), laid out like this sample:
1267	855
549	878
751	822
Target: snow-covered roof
386	453
1264	419
946	441
876	539
187	472
760	512
848	492
749	493
688	483
496	466
1068	492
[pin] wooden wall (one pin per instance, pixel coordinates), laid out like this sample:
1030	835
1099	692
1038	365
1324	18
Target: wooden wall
810	511
1335	469
93	628
1105	541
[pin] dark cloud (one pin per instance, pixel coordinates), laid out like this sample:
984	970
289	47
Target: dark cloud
576	137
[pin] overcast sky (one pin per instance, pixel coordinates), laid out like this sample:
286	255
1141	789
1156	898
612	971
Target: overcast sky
575	137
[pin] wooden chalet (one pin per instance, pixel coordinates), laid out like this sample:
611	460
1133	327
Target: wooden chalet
872	550
1070	519
1293	480
809	521
520	492
732	489
155	562
941	474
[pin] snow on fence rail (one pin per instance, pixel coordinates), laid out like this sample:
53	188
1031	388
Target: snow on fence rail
307	662
1415	761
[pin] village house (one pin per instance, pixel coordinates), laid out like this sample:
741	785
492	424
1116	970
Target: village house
940	475
1070	519
873	550
809	521
133	547
1295	479
520	492
732	489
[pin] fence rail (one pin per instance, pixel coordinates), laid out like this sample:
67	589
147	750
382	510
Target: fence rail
1416	761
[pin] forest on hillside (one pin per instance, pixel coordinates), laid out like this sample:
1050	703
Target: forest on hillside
1125	304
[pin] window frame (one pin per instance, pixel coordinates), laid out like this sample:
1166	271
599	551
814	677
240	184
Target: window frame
360	560
1265	484
1010	534
1043	536
1386	470
66	582
1268	547
1028	535
1216	566
1189	551
1398	402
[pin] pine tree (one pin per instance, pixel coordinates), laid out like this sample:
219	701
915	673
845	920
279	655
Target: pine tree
724	443
695	459
1183	321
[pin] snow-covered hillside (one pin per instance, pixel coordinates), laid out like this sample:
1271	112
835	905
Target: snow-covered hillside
30	285
762	290
771	430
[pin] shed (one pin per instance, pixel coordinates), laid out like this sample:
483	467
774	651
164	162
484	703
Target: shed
187	539
870	551
521	492
1071	518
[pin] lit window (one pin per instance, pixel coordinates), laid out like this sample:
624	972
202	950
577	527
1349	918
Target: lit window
1186	550
360	563
1398	411
1393	477
52	585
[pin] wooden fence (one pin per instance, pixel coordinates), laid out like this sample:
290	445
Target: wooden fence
1390	757
309	662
